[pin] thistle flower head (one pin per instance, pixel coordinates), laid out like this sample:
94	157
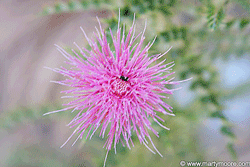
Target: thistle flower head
122	88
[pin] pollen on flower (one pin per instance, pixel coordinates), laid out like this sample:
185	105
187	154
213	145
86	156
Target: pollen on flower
120	88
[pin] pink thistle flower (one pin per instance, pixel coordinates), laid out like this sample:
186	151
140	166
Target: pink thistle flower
120	88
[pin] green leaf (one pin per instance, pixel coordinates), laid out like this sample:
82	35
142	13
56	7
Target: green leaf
194	85
175	32
15	116
166	36
205	84
165	10
74	5
243	23
212	98
227	131
61	7
171	3
96	2
183	32
232	151
138	6
112	23
137	2
70	6
214	19
85	3
196	70
184	75
218	114
210	10
230	23
161	2
220	15
150	4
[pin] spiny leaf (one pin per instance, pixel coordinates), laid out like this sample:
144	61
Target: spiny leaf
211	98
171	3
97	2
220	15
70	6
150	4
214	18
218	114
197	70
183	32
230	23
165	10
85	3
75	5
175	34
184	74
215	21
210	10
194	85
112	23
166	36
232	151
138	6
205	84
61	7
244	23
227	131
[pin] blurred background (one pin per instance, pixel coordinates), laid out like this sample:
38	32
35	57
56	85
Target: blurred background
210	40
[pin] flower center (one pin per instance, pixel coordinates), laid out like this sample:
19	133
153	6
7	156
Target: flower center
120	86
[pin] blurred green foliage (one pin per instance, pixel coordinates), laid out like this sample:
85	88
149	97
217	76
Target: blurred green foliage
200	32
